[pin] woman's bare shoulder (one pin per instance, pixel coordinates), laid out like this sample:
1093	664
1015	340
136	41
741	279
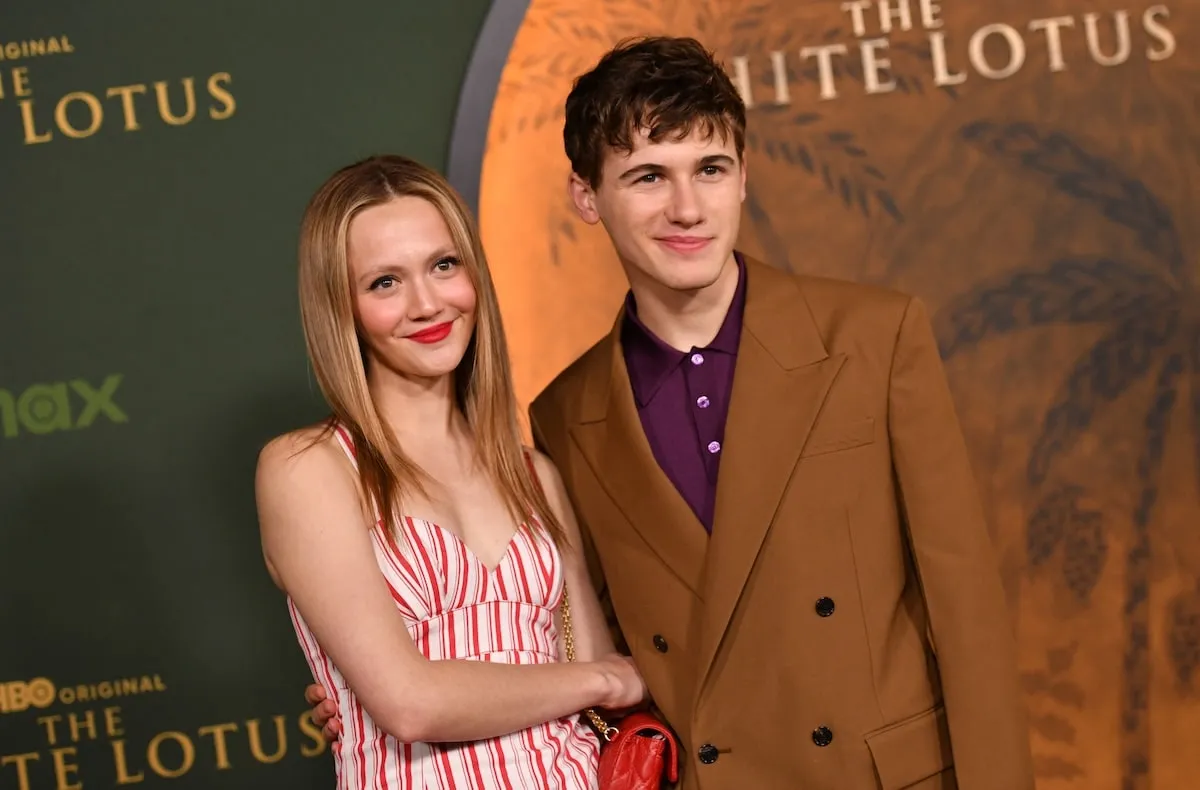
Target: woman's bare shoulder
301	456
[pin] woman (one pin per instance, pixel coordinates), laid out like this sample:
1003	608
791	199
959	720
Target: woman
422	559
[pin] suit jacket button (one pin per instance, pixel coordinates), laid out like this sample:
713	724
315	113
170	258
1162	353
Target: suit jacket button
824	606
708	754
822	736
660	644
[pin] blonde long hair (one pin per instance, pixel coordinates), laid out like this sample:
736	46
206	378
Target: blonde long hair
482	381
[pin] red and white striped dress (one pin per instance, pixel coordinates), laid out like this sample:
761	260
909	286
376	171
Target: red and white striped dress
456	607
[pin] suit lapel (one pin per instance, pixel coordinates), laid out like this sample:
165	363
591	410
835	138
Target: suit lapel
782	376
611	438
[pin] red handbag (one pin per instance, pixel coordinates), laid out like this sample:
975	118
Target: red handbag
639	753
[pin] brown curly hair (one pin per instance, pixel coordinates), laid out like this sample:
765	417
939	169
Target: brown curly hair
664	85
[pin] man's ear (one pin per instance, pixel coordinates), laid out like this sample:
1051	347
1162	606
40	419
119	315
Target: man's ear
743	169
583	197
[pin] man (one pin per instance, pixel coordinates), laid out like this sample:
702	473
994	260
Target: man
770	477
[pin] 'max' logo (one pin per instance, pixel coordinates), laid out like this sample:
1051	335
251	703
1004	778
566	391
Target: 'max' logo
59	406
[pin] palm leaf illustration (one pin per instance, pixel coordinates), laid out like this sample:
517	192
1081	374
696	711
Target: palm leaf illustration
1062	519
1088	178
1152	330
1183	639
1105	373
1135	690
1071	290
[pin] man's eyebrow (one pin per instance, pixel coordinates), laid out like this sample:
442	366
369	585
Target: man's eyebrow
653	167
640	170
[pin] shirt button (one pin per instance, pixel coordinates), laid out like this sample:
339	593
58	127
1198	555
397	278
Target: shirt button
702	401
697	359
714	447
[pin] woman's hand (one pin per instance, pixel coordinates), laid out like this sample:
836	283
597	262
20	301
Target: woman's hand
626	687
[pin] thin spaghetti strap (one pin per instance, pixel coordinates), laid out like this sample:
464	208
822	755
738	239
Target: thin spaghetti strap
346	442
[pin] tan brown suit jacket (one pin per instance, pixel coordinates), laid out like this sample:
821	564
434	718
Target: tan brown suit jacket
845	627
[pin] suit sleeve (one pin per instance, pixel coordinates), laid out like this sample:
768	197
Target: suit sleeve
972	629
595	571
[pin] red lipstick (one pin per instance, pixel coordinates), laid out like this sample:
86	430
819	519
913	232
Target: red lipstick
433	334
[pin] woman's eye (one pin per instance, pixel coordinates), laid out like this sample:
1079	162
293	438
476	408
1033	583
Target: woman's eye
446	264
383	282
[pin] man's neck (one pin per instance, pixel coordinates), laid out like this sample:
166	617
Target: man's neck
686	319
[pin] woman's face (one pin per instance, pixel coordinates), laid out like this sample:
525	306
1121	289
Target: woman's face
413	298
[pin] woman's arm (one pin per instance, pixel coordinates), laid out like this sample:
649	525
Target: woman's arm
593	640
318	550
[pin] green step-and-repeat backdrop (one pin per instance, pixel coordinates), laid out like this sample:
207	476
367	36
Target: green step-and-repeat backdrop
1030	169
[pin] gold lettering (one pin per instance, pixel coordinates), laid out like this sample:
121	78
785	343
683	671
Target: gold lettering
155	760
158	684
123	777
49	723
229	106
1158	32
824	55
64	126
164	103
62	768
900	14
1121	23
779	71
875	66
856	9
218	732
741	79
66	45
112	722
21	761
309	728
930	13
1016	51
1053	38
89	719
66	695
20	80
256	741
32	136
941	72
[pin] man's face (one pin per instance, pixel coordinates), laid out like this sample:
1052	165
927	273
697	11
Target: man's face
672	208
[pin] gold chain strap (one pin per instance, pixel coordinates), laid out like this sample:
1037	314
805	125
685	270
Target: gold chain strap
607	731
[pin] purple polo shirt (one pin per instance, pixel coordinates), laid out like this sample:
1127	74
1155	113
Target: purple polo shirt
683	398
